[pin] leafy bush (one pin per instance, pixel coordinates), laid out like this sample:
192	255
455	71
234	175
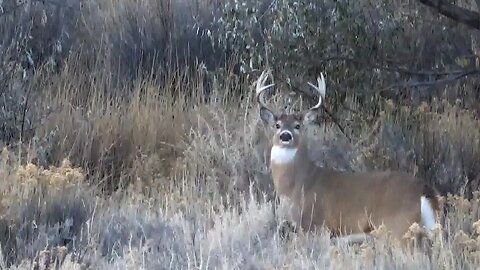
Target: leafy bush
364	47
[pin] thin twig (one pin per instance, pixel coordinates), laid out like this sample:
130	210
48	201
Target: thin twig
321	61
435	82
370	134
335	120
13	9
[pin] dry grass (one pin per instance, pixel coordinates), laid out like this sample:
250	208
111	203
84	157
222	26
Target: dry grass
125	158
197	190
94	133
439	142
130	231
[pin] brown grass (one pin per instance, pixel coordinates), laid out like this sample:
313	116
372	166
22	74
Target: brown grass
131	152
195	175
128	230
112	137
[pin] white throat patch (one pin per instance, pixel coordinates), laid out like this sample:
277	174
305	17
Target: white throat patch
282	155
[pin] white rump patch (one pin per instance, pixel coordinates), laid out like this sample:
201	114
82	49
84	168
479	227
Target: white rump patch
282	155
428	214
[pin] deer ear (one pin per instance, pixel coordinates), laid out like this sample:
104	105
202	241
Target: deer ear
267	116
309	117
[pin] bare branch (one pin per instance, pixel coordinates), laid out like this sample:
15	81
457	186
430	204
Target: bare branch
454	12
11	10
321	61
336	122
436	82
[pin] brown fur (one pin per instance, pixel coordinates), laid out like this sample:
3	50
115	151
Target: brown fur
348	203
345	202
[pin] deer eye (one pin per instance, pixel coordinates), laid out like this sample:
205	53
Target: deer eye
297	126
277	126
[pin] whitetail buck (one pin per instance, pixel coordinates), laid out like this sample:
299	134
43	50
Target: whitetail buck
347	203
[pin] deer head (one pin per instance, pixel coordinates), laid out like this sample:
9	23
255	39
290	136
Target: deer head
288	127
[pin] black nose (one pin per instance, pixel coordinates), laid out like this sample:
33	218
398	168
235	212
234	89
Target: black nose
285	137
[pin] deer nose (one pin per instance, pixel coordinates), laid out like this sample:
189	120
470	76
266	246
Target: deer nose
286	136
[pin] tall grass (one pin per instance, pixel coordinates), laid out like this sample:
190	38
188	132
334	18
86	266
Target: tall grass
135	143
196	188
57	221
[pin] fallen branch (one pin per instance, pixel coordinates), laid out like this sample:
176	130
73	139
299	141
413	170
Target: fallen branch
462	15
435	82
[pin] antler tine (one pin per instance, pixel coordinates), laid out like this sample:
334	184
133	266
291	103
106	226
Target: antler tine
320	88
261	87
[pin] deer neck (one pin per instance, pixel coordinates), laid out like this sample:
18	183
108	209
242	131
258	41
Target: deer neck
289	167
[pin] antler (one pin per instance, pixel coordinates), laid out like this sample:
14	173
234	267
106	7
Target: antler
261	87
320	88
